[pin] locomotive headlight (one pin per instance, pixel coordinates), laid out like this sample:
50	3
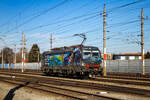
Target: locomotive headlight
83	64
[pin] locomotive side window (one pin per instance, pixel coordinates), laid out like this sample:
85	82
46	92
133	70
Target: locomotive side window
91	56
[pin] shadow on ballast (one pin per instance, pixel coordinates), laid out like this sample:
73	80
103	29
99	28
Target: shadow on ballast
11	93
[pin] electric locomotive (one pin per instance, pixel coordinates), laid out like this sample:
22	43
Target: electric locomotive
79	61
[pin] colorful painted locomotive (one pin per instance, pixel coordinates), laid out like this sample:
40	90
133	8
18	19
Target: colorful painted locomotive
79	61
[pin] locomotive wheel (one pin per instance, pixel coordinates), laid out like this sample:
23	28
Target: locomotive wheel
45	73
82	75
56	74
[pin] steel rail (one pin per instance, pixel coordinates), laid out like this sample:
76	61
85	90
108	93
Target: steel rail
53	89
83	84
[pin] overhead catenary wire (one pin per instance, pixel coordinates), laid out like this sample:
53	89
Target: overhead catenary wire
62	4
125	5
38	15
13	17
122	23
60	21
72	11
62	31
122	6
82	20
70	36
33	1
66	37
70	25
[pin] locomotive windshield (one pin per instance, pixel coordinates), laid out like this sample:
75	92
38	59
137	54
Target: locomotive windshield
91	54
86	54
95	54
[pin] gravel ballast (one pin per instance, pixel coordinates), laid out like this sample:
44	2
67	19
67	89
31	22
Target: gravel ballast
7	90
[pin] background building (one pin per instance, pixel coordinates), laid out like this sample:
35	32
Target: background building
127	56
109	56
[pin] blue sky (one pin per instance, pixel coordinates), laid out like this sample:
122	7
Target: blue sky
63	18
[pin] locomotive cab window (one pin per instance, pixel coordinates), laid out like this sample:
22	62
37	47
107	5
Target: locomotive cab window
95	54
87	53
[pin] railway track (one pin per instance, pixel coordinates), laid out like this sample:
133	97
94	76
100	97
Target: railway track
88	84
112	79
42	85
127	77
140	82
28	71
147	75
132	76
110	75
72	94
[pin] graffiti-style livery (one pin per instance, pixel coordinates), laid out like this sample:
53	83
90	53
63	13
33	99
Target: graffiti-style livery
76	60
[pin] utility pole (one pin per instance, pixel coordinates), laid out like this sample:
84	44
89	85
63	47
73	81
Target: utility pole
51	42
2	58
15	57
38	57
142	42
104	41
38	60
24	41
22	52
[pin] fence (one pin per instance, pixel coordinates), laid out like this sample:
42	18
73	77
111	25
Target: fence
19	65
133	66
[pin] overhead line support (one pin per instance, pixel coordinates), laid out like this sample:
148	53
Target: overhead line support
142	42
104	42
51	42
